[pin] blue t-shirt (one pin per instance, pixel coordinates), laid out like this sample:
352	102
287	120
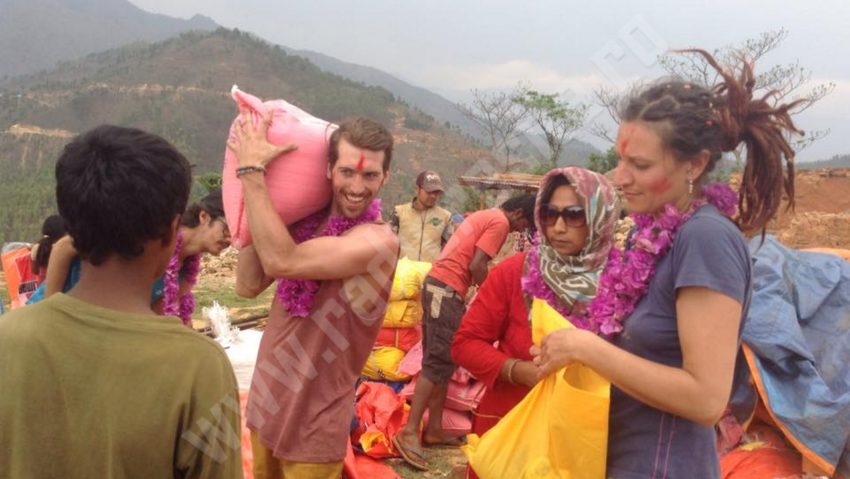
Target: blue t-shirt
74	277
708	251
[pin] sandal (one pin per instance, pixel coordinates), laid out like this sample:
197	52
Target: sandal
414	457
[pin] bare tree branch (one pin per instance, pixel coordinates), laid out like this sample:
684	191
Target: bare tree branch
498	117
784	83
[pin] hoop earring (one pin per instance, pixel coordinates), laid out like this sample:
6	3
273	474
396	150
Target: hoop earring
690	187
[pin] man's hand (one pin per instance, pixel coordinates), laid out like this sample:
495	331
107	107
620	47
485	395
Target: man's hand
250	141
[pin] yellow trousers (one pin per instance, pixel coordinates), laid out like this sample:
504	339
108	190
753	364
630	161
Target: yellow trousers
266	466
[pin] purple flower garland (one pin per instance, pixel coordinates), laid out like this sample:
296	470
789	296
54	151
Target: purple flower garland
185	305
627	274
297	295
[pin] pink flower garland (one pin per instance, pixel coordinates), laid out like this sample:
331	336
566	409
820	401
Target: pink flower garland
627	274
190	267
297	295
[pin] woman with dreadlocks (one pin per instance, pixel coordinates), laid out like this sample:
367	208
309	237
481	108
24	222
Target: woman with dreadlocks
674	300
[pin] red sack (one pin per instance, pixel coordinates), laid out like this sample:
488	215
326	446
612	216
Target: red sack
381	414
402	338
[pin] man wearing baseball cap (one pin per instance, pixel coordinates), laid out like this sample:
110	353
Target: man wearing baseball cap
423	227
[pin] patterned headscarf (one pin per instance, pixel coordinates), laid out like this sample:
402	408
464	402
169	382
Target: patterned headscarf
574	278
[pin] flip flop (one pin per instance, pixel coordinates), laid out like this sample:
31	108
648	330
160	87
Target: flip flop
410	455
450	443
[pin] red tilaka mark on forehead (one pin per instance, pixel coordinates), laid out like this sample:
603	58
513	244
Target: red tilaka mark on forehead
661	187
626	132
361	162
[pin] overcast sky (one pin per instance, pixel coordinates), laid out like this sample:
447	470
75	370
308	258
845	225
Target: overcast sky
451	46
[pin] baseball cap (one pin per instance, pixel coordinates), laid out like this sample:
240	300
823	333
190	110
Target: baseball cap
429	181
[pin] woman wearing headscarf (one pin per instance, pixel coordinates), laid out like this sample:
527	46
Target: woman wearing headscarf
575	215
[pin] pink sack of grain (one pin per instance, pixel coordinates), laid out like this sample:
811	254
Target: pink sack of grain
297	181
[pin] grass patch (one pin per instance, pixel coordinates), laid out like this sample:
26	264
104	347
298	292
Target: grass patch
445	463
223	291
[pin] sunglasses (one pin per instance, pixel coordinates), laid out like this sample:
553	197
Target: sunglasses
573	216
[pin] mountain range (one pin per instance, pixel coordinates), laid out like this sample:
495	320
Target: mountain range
179	88
87	62
37	34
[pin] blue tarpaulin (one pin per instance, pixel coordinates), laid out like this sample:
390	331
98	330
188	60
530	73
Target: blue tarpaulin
797	334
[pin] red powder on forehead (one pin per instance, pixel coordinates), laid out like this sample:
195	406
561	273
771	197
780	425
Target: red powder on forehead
662	186
626	132
361	162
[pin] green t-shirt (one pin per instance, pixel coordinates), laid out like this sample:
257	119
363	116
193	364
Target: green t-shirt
91	392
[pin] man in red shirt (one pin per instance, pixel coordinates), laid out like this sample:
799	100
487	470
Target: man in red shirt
462	263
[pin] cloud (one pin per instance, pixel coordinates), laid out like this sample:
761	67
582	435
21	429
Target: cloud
503	76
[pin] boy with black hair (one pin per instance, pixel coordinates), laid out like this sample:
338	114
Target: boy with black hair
94	383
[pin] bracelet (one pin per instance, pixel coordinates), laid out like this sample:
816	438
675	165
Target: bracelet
244	170
511	371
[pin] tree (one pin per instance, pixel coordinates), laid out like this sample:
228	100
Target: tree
609	100
788	82
210	181
555	118
603	162
499	117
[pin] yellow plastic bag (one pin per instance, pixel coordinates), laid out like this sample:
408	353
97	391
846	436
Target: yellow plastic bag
408	279
383	365
403	314
558	431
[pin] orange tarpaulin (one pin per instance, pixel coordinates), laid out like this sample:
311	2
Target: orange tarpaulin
16	268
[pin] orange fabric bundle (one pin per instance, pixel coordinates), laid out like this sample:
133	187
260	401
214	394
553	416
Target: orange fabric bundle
765	456
381	413
402	338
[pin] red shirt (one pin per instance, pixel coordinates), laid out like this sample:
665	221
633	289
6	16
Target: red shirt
498	313
485	230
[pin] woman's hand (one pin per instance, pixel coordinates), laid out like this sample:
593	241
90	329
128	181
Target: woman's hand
250	141
525	373
561	348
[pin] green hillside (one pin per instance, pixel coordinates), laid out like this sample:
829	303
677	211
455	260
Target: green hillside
180	89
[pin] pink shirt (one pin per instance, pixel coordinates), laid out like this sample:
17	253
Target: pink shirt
302	394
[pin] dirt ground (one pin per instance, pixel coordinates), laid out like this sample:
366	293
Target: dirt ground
821	217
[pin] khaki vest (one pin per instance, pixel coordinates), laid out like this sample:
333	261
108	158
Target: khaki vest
420	232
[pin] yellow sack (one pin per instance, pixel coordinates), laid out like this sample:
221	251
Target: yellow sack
403	314
408	279
383	365
558	431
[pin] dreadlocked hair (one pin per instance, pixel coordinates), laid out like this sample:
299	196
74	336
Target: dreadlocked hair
691	118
